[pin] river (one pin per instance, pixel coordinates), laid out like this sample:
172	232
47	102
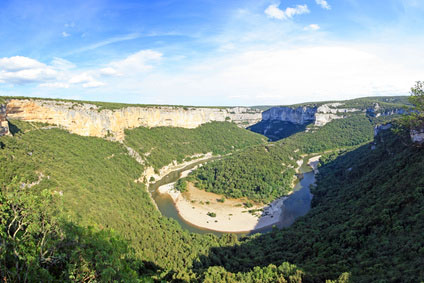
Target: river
296	205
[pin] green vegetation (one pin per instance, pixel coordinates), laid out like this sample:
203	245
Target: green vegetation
265	172
107	105
277	130
415	120
86	219
261	173
353	131
367	219
38	246
96	180
162	145
211	214
181	185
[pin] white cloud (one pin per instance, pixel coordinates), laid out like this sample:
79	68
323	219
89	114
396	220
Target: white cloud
324	4
64	74
86	80
274	12
312	27
65	34
109	71
135	63
17	63
282	75
22	70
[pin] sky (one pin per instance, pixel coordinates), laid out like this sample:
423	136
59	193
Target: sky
210	52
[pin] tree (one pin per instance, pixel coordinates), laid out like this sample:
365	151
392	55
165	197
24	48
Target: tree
415	119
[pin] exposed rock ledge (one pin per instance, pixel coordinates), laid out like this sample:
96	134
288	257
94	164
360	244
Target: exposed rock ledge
88	120
4	125
417	136
306	114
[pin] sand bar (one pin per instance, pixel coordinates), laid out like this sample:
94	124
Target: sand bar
202	209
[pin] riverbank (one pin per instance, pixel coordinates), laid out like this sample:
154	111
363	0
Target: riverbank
203	209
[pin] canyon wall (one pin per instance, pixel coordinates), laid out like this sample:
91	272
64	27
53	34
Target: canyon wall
307	114
89	120
4	125
299	115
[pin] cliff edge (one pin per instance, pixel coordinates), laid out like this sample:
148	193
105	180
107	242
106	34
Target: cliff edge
89	120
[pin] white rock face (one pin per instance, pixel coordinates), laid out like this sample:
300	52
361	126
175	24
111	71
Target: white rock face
319	115
417	136
380	128
4	125
300	115
88	120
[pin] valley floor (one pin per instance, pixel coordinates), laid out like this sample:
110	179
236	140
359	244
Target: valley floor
202	209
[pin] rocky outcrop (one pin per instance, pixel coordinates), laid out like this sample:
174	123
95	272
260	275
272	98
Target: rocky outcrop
4	125
376	111
379	128
299	115
417	136
89	120
307	114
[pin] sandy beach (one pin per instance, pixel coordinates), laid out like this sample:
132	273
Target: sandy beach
203	209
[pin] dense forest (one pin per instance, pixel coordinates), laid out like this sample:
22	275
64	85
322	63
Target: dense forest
264	173
261	173
72	211
162	145
367	220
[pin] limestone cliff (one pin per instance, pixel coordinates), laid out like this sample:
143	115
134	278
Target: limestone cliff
299	115
376	111
4	125
89	120
306	114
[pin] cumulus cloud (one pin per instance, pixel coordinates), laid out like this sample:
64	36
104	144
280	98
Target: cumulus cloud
65	34
61	73
22	70
18	63
324	4
312	27
276	13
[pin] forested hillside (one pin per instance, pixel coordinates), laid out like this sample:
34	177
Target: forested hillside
162	145
367	220
71	209
93	181
264	173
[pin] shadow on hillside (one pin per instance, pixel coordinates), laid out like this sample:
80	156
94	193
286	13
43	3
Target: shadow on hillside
277	130
296	244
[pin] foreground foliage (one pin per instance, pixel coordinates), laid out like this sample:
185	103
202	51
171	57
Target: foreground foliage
36	245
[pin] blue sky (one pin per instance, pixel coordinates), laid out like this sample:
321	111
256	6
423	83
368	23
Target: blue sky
210	52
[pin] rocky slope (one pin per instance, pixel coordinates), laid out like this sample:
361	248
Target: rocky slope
89	120
306	114
4	125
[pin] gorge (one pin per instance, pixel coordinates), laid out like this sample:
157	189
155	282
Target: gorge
94	178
